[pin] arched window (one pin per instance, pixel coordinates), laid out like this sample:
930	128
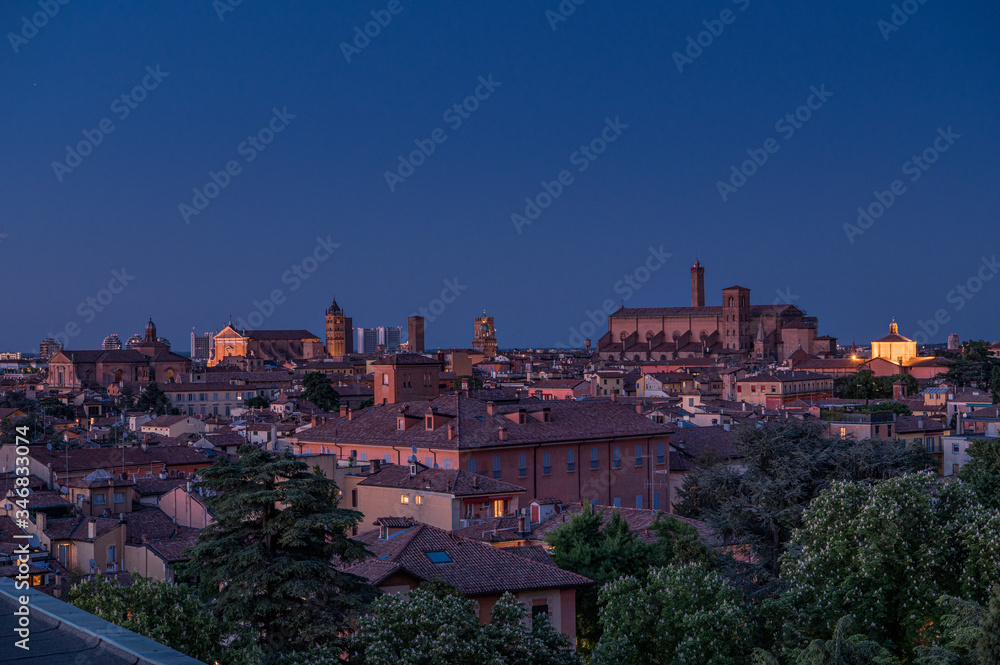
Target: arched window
730	301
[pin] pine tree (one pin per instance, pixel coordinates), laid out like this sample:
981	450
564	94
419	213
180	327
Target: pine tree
269	568
317	389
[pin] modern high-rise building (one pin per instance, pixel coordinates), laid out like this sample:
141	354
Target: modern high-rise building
954	343
111	343
485	339
48	348
367	340
133	341
201	346
390	338
415	334
339	341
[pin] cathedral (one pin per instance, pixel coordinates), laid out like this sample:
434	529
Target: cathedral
737	329
149	360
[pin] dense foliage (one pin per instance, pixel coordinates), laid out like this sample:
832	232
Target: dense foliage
604	553
863	384
680	614
318	390
154	399
785	464
428	627
268	568
169	614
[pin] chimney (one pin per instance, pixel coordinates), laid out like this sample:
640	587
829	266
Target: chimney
614	396
451	431
502	433
188	487
40	520
376	465
313	421
546	414
91	529
350	413
52	485
465	387
522	528
638	408
343	410
490	410
920	423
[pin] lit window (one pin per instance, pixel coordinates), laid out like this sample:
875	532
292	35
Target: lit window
404	498
419	500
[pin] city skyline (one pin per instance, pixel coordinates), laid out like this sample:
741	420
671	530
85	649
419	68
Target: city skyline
825	157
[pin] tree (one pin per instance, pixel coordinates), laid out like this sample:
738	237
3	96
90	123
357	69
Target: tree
883	552
898	408
57	409
785	465
995	384
317	389
169	614
971	633
367	403
126	398
588	547
982	471
863	384
474	382
154	399
258	402
680	614
10	430
435	627
270	569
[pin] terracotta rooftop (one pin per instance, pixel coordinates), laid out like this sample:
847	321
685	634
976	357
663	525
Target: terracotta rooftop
474	568
458	482
570	421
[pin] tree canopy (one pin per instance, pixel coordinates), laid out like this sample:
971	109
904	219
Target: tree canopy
154	399
268	568
605	552
317	389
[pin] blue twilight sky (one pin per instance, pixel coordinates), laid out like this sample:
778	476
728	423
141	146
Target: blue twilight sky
888	92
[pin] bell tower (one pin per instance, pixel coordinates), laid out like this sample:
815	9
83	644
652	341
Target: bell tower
697	284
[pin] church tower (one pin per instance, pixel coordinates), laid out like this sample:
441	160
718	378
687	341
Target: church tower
339	331
697	284
736	333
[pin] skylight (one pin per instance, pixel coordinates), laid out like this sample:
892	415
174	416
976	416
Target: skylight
438	556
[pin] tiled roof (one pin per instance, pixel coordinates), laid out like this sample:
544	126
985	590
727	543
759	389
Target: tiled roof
458	482
406	359
75	528
474	568
150	523
156	486
639	520
892	337
906	424
570	421
988	413
558	384
696	442
783	376
165	421
279	334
